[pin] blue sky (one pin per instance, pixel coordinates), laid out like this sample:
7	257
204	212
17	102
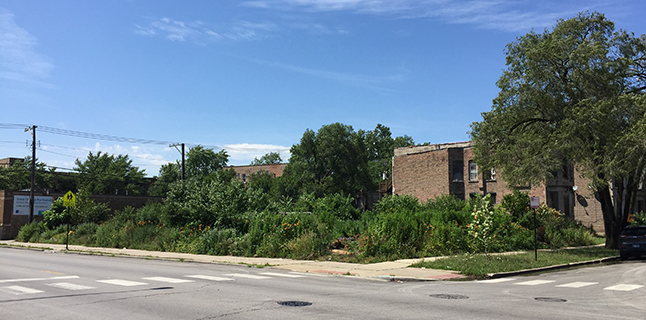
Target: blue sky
252	76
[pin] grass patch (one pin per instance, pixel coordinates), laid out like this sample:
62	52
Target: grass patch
480	265
599	240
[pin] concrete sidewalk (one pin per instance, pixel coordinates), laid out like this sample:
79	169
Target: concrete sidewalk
390	270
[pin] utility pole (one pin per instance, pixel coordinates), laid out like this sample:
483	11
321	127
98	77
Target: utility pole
32	129
182	152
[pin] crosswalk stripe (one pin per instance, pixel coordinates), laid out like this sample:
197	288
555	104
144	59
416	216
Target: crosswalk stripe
496	280
623	287
576	284
534	282
285	275
169	280
212	278
247	276
69	286
18	290
124	283
38	279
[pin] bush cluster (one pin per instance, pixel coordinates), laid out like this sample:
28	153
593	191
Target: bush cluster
218	215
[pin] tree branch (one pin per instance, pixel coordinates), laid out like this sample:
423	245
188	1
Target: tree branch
526	123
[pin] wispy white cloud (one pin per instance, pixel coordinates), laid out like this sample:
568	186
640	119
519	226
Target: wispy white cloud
359	80
19	60
147	158
151	158
244	153
506	15
201	33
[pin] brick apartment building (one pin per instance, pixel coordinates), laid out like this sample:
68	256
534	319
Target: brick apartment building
244	172
426	172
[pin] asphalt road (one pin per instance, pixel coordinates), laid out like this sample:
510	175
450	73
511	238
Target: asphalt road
47	285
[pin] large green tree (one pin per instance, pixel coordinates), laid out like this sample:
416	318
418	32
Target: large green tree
573	94
18	175
102	173
337	159
200	163
269	158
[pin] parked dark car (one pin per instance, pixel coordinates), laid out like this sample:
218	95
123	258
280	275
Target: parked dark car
632	242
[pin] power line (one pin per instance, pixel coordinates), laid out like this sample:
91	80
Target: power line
104	137
13	126
96	136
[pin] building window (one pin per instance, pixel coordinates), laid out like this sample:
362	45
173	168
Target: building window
244	177
491	175
459	196
473	171
458	172
493	198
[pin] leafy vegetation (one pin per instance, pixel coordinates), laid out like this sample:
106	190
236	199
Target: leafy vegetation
572	95
220	215
108	174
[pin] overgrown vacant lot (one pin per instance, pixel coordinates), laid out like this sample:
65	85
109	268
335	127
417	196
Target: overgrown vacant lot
222	216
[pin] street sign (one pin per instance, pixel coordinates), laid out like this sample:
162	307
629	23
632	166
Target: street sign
535	202
69	199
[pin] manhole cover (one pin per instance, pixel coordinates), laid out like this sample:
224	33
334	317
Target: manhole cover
295	303
544	299
449	296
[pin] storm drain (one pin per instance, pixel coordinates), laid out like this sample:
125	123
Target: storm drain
546	299
295	303
449	296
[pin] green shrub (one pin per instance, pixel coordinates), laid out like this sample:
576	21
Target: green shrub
516	203
216	242
212	202
56	215
307	246
639	219
31	232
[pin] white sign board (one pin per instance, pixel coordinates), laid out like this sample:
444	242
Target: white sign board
535	202
41	204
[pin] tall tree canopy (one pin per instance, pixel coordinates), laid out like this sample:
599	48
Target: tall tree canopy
200	163
107	174
269	158
18	175
573	94
336	159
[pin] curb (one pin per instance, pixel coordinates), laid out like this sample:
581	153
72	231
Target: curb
550	268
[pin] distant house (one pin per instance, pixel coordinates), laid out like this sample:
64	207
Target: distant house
245	172
8	162
449	168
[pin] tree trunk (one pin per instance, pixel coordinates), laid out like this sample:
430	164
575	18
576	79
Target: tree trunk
610	221
615	212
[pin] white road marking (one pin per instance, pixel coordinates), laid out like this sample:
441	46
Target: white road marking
247	276
285	275
169	280
39	279
534	282
576	284
69	286
209	278
124	283
624	287
497	280
18	290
